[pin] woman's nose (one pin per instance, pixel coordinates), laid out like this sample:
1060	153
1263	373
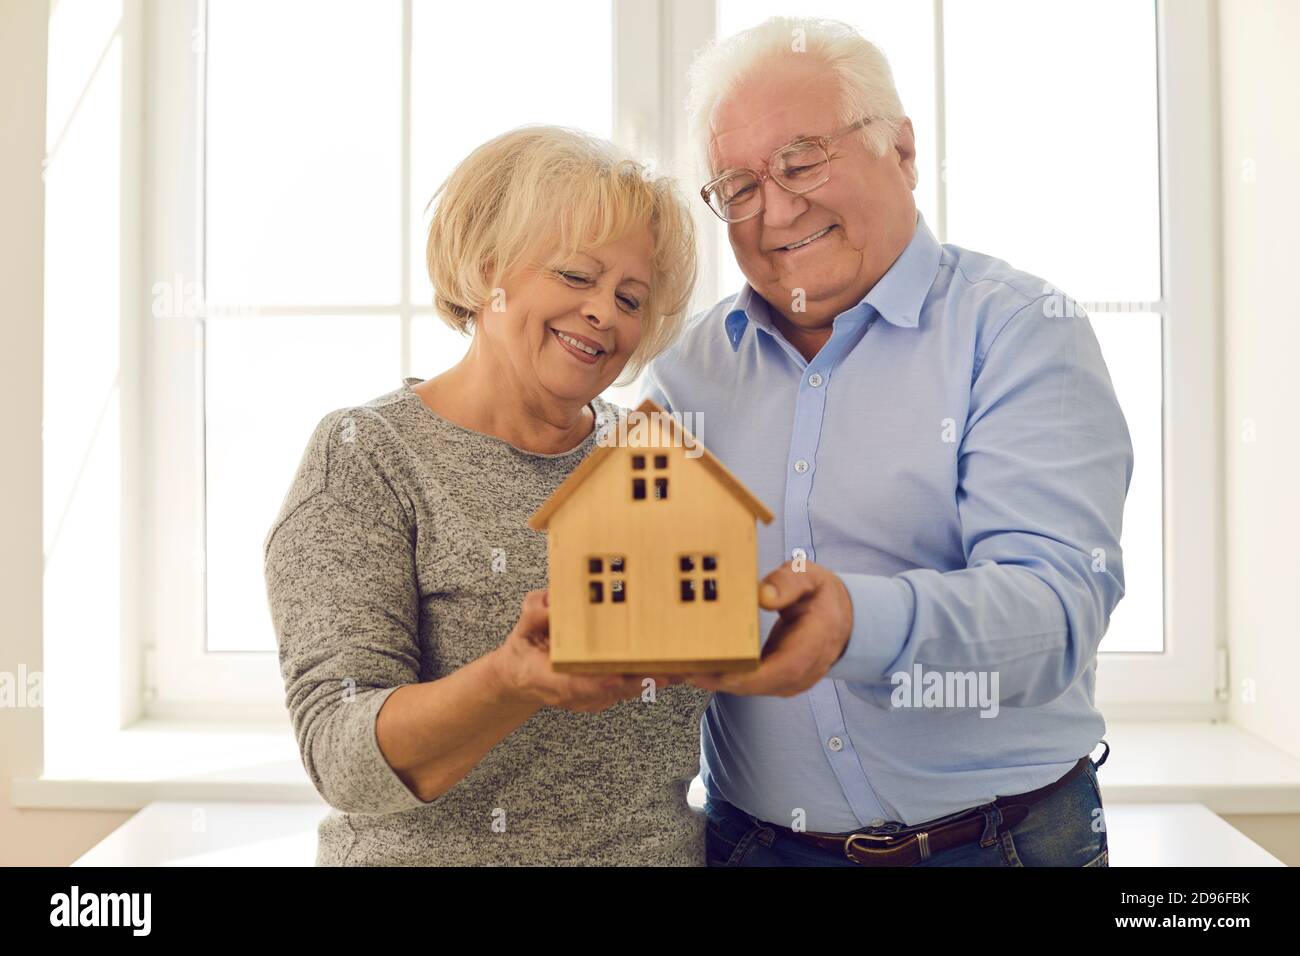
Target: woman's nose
600	316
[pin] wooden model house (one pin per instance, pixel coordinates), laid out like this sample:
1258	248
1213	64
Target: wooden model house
653	559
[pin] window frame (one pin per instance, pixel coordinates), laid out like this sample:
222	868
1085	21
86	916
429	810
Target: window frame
182	678
653	44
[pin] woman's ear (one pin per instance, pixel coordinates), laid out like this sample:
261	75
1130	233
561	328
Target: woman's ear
494	286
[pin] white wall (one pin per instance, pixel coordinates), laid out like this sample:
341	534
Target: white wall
27	837
1260	103
1260	107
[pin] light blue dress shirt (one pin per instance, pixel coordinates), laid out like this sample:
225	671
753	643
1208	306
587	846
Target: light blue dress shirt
956	453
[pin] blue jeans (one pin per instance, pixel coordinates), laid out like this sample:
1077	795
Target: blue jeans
1067	828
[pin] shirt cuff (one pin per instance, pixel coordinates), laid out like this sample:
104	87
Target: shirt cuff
882	618
371	783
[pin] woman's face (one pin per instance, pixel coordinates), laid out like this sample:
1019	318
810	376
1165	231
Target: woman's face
566	331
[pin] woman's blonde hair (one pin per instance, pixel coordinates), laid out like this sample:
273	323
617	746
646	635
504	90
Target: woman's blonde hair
539	193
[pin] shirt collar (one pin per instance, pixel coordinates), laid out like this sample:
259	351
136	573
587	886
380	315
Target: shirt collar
898	296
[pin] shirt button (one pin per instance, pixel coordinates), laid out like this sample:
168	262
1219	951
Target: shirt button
878	822
836	744
801	466
815	379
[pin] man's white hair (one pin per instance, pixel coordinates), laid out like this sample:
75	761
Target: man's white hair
865	79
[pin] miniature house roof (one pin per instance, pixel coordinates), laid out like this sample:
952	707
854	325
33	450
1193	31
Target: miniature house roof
541	518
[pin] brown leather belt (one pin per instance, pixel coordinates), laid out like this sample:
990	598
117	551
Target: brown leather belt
912	845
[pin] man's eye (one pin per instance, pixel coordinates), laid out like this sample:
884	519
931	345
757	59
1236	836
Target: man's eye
803	170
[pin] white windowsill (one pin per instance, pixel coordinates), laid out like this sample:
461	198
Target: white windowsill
1218	766
156	760
284	834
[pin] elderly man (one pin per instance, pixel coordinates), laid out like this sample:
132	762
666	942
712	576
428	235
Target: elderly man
940	441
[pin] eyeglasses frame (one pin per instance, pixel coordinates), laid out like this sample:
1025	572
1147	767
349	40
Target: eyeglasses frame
823	141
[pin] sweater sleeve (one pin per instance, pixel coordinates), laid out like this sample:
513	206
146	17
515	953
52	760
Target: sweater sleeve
339	563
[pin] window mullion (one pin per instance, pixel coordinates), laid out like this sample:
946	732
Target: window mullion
405	218
940	128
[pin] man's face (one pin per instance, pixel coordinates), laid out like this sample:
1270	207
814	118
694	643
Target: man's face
864	213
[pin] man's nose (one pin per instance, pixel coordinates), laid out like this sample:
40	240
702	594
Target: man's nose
780	206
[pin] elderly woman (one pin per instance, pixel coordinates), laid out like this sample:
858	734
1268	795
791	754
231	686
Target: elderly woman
407	590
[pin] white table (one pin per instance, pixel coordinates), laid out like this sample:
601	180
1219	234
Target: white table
284	834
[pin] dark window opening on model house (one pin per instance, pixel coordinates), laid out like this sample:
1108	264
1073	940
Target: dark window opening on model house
605	576
696	580
660	481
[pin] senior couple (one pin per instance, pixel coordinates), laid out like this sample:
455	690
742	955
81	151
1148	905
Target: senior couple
942	450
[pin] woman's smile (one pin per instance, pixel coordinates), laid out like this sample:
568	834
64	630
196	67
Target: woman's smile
579	346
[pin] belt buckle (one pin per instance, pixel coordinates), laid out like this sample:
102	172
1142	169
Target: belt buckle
881	837
922	842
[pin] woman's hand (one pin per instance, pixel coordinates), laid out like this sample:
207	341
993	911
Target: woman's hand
523	665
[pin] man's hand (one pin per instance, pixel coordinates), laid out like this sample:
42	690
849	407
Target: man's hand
816	619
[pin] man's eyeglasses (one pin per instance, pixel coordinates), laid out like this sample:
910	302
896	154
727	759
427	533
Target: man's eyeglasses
799	167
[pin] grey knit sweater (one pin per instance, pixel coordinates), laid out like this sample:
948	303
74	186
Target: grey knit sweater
400	554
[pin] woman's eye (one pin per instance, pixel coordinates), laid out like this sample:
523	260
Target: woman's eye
629	303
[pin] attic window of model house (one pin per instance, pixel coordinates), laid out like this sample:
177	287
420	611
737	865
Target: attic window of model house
660	463
698	576
605	579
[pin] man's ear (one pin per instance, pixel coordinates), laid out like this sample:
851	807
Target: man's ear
906	149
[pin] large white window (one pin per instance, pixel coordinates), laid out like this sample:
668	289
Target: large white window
291	148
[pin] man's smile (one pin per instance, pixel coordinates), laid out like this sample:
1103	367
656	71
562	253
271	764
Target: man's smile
805	241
